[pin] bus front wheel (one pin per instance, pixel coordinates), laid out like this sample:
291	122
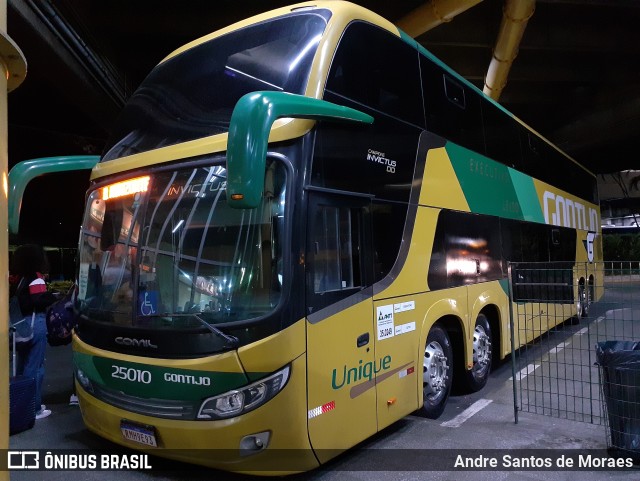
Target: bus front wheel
437	372
477	376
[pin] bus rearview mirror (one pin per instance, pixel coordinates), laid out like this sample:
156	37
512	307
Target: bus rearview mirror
251	122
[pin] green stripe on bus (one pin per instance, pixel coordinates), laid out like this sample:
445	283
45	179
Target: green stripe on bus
527	196
504	283
486	184
149	381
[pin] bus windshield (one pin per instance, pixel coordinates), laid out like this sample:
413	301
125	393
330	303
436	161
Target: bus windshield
192	95
165	250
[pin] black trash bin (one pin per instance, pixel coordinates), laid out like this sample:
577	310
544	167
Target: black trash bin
619	363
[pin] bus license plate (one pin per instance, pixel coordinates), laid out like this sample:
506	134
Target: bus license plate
138	433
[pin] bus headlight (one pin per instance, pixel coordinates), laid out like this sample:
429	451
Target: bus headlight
243	400
84	381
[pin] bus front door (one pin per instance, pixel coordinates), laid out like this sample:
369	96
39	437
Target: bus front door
340	346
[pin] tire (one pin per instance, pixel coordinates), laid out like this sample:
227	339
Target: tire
476	378
437	372
587	300
582	305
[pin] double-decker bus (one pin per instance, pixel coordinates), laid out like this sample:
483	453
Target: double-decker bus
300	234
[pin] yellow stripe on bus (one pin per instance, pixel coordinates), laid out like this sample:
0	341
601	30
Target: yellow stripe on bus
440	186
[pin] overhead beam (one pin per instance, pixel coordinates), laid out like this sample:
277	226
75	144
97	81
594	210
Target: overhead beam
554	30
432	14
515	16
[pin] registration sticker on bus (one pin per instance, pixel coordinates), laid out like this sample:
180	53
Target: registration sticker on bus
138	433
385	322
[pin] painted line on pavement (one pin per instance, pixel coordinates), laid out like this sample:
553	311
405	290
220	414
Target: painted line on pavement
524	372
467	413
559	347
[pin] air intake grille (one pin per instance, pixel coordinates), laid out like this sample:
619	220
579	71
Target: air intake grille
159	408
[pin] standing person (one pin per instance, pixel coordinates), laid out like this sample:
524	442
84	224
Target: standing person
29	262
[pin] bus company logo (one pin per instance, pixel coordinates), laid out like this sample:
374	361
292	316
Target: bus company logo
566	212
588	245
381	158
366	375
128	341
187	379
364	371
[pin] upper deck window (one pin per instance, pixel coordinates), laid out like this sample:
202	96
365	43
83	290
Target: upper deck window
192	95
375	68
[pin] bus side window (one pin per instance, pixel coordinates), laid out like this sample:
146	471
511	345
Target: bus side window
377	73
388	219
563	244
454	92
501	136
337	247
533	158
451	109
378	70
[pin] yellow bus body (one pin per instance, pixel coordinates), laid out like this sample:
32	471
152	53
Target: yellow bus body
329	406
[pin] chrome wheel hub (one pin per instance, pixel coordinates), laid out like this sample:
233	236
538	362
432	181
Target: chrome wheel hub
481	349
435	369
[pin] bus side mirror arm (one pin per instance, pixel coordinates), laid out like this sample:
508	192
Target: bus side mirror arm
24	172
251	122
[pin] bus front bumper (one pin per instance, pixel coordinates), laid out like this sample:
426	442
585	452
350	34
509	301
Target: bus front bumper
271	440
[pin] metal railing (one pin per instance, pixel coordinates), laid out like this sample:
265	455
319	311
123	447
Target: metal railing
555	371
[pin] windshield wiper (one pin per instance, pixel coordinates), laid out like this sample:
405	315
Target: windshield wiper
232	341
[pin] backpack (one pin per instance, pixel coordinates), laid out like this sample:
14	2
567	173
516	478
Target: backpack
62	319
22	326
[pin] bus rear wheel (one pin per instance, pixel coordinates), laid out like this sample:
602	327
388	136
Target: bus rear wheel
587	298
582	305
437	372
477	376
